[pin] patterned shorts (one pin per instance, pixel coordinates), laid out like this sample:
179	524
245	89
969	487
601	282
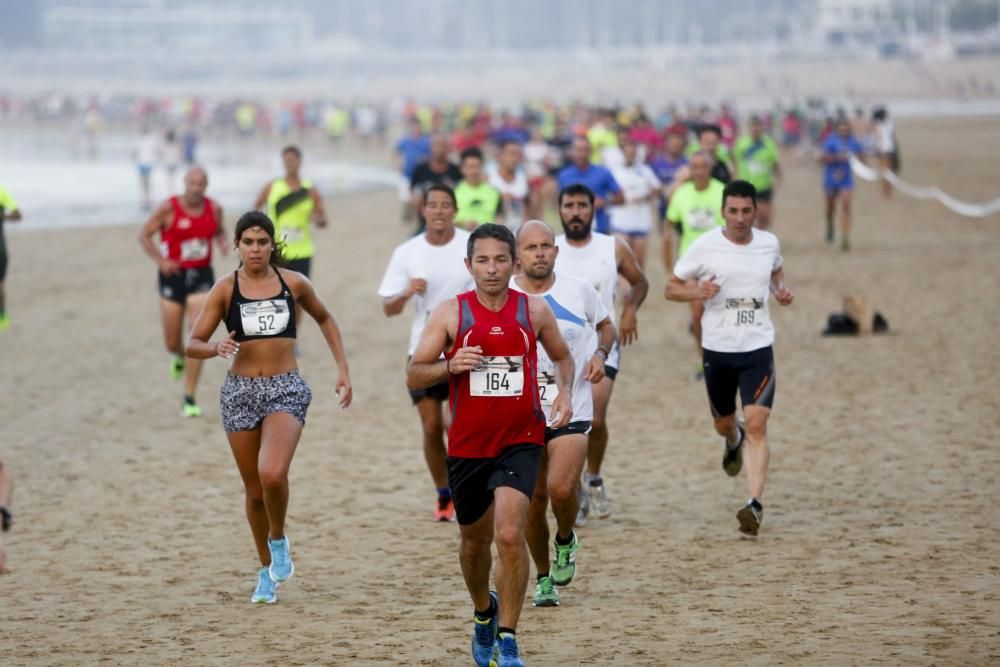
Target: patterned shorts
245	401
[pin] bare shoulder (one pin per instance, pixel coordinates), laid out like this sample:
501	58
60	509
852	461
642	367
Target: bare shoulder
223	287
296	281
538	309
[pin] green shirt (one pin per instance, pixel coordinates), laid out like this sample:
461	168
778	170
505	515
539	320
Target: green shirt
481	203
755	161
7	204
695	212
291	213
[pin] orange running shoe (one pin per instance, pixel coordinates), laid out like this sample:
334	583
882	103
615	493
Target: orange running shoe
445	511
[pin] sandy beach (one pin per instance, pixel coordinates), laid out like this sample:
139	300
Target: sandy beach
880	537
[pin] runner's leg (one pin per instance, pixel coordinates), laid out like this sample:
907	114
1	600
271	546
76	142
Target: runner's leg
279	435
510	519
246	450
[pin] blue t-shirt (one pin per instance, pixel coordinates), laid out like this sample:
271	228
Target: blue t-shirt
601	183
665	170
838	173
414	151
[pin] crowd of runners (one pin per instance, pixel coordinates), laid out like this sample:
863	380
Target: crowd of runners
519	325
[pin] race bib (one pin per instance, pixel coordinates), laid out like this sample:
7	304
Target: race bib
293	234
547	388
743	313
701	219
497	377
756	167
194	249
264	318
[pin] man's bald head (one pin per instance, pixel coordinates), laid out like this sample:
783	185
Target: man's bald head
195	184
536	249
535	227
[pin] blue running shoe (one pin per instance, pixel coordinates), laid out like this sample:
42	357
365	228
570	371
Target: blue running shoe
282	568
484	636
509	655
266	592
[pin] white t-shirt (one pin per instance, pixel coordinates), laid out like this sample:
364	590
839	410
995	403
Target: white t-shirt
535	156
636	182
885	137
513	209
443	267
578	310
736	319
597	264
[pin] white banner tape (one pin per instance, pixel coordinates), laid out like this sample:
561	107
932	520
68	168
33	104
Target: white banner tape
866	173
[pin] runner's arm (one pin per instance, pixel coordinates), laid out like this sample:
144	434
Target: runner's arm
319	213
220	230
778	289
262	197
778	177
198	345
331	332
426	366
629	269
12	216
156	223
606	336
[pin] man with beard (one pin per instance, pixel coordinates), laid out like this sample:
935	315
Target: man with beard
586	326
599	259
596	178
489	338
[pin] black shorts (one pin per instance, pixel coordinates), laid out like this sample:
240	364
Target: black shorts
300	265
610	372
765	195
750	373
472	480
3	258
180	285
572	428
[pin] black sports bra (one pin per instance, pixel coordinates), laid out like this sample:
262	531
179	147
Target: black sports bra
253	319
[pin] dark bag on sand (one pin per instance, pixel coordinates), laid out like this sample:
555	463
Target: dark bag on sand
841	324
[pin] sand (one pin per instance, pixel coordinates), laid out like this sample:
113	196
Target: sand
879	540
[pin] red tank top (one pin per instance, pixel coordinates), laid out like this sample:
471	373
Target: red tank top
496	405
188	239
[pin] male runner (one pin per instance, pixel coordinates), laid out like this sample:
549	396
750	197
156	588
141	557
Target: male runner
668	164
187	225
633	220
510	180
599	259
710	141
695	208
756	158
586	326
594	177
478	201
8	212
732	269
488	337
410	151
294	205
838	182
428	269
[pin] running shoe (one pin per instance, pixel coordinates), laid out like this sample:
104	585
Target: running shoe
509	655
445	512
600	501
546	594
732	459
282	568
699	373
190	410
750	517
4	322
581	514
484	636
177	368
266	592
564	566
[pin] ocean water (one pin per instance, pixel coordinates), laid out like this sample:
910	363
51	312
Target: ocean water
56	185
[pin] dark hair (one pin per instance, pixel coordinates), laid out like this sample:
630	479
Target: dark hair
472	151
441	187
507	142
709	127
292	148
491	231
252	219
880	114
576	189
739	189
